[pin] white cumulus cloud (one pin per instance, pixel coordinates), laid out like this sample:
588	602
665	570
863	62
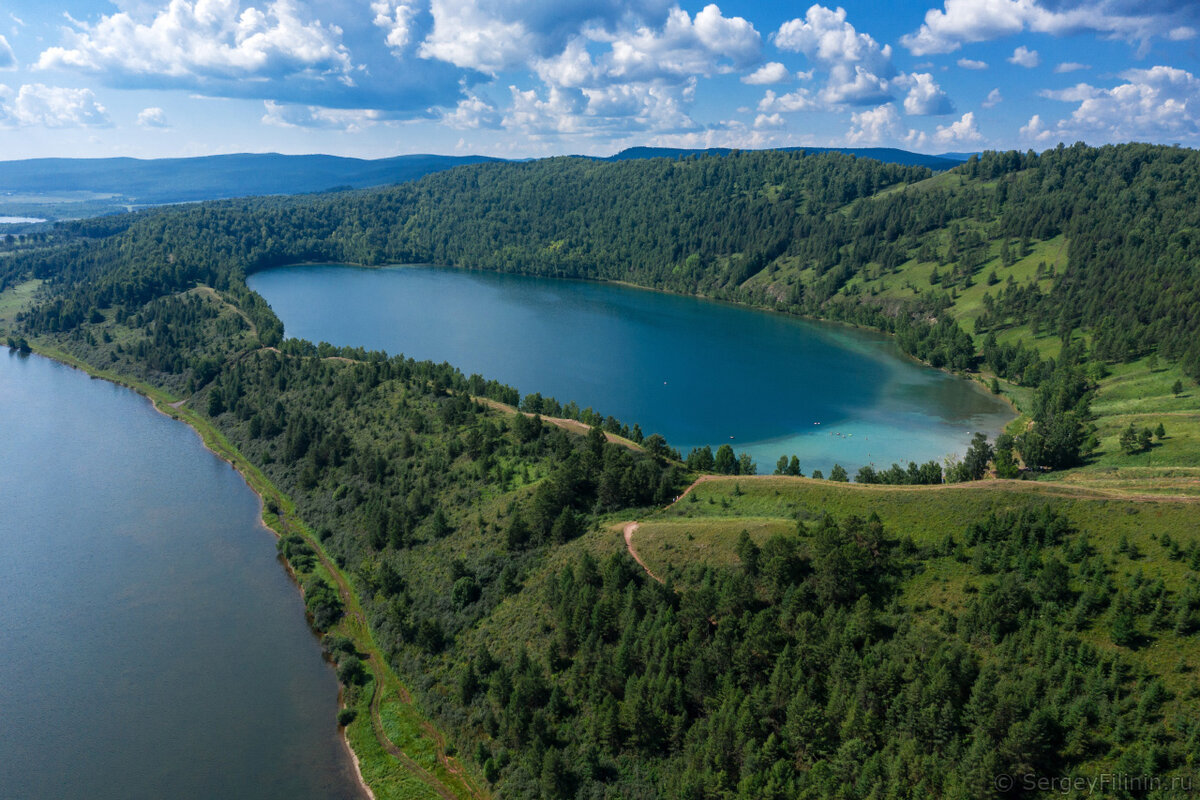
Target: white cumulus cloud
495	35
946	29
970	63
859	67
771	72
634	74
1070	66
1024	57
799	100
769	122
924	97
1161	103
153	117
874	125
206	38
472	112
1035	130
962	132
396	18
288	115
37	105
993	99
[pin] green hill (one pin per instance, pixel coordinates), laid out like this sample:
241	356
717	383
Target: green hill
465	562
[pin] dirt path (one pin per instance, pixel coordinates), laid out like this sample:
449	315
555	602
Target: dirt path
377	724
1073	491
1056	490
217	297
572	425
630	529
378	670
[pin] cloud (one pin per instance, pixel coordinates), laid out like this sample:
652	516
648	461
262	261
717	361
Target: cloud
924	97
601	112
265	49
1181	33
859	68
205	39
960	132
685	47
769	122
632	76
37	105
302	116
472	112
1035	129
495	35
799	100
1070	66
857	88
1161	103
152	118
396	18
970	63
873	125
1024	57
7	59
771	72
959	21
993	99
1072	94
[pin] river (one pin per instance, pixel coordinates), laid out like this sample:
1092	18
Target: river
153	645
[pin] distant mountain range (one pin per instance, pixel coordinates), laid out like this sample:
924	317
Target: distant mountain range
66	187
177	180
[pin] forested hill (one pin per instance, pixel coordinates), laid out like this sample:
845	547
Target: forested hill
889	155
984	641
824	235
947	261
178	180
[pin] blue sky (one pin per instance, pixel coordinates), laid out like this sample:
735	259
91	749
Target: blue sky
374	78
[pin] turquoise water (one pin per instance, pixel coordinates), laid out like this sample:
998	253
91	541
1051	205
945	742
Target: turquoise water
696	371
153	647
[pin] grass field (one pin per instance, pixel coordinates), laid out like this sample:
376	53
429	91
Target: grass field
14	300
1127	533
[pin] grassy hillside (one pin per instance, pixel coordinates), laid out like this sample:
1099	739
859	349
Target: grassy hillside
466	564
1136	540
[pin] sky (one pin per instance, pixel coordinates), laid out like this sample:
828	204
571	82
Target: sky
528	78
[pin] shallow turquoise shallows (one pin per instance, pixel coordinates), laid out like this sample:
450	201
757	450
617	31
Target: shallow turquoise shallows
153	647
698	372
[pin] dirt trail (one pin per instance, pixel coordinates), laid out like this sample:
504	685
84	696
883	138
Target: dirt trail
630	529
1074	491
378	669
377	724
572	425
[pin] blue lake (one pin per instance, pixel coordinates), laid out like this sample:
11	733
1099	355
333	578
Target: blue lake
698	372
153	645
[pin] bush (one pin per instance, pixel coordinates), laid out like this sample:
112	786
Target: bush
346	716
351	671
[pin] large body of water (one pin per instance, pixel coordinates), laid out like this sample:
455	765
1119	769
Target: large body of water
698	372
152	645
